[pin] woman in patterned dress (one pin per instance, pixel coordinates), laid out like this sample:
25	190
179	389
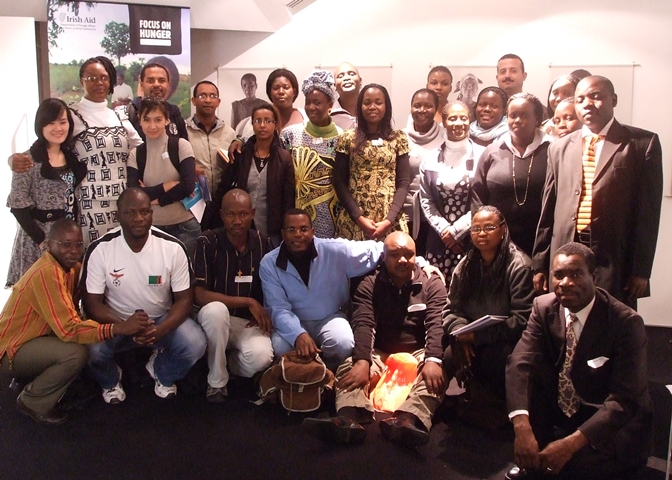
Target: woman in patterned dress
445	184
313	148
103	140
45	192
372	173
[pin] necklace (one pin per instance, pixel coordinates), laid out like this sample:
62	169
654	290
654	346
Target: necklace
262	160
527	186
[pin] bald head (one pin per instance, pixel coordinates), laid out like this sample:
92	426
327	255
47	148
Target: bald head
237	195
237	215
347	79
399	257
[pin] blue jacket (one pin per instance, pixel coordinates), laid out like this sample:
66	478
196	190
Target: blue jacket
288	298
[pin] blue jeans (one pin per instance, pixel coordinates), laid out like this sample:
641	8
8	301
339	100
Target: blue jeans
333	335
179	351
187	232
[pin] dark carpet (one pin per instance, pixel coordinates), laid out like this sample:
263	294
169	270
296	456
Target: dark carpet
188	438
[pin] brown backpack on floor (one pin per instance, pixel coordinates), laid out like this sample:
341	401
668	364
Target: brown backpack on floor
297	382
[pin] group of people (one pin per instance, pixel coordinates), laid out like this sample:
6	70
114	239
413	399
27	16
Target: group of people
504	199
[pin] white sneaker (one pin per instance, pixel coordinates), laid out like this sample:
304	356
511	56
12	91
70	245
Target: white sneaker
115	394
159	389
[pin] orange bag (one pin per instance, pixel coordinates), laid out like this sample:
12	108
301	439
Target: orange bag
395	382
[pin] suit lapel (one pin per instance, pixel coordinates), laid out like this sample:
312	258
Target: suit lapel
593	330
616	136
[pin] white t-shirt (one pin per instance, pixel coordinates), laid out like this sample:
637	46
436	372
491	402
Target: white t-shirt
132	281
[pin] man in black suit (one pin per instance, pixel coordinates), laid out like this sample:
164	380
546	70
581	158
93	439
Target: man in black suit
576	383
617	213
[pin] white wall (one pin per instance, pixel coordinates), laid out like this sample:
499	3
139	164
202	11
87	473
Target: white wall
411	35
20	101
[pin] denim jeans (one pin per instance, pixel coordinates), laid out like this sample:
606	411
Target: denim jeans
179	350
187	232
333	335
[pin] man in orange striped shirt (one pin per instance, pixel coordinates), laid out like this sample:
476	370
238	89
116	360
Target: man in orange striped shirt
41	332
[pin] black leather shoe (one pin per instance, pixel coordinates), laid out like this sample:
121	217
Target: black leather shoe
51	418
341	430
403	430
517	473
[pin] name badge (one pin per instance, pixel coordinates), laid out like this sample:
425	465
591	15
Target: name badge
243	279
318	141
377	142
165	155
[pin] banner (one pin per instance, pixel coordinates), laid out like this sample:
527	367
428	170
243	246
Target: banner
129	35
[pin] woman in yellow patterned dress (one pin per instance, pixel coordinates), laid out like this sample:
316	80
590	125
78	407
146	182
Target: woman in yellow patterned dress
372	173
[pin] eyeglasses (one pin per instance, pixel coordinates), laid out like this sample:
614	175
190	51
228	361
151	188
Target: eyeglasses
94	79
69	244
265	121
293	230
211	96
486	229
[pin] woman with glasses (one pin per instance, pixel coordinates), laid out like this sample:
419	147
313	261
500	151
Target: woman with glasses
313	148
445	188
46	192
494	278
512	171
104	139
372	172
264	170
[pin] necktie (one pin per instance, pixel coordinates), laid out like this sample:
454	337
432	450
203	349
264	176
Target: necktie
583	217
568	399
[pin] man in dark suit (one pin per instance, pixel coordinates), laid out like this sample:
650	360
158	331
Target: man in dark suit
612	205
576	383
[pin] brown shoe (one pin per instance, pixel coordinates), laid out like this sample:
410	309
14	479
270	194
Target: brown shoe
51	418
402	429
341	430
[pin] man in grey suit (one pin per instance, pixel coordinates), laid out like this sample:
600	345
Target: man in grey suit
576	383
611	206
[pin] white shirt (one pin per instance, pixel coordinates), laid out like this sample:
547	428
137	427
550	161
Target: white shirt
122	92
585	132
143	280
577	326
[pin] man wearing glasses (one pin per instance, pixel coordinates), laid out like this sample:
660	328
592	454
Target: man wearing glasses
306	287
208	134
41	330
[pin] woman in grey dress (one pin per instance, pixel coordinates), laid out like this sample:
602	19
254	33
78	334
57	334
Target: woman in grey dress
45	192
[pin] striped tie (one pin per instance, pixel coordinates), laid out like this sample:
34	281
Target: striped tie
568	400
583	217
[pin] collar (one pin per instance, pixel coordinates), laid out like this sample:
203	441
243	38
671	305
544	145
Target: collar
539	138
322	132
87	104
416	280
226	243
284	254
200	125
581	315
423	138
585	132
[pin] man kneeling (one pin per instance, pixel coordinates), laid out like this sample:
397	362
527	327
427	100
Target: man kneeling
398	309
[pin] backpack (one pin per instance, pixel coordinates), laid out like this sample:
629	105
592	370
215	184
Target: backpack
298	382
173	153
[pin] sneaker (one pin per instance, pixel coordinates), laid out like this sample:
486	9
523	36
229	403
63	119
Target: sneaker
115	394
216	395
159	389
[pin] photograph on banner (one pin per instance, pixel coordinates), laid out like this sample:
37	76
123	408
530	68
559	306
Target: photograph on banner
241	89
131	36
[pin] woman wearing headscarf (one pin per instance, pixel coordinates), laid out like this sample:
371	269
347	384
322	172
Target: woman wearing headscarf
313	148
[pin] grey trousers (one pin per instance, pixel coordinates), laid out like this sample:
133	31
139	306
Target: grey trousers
53	363
419	402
